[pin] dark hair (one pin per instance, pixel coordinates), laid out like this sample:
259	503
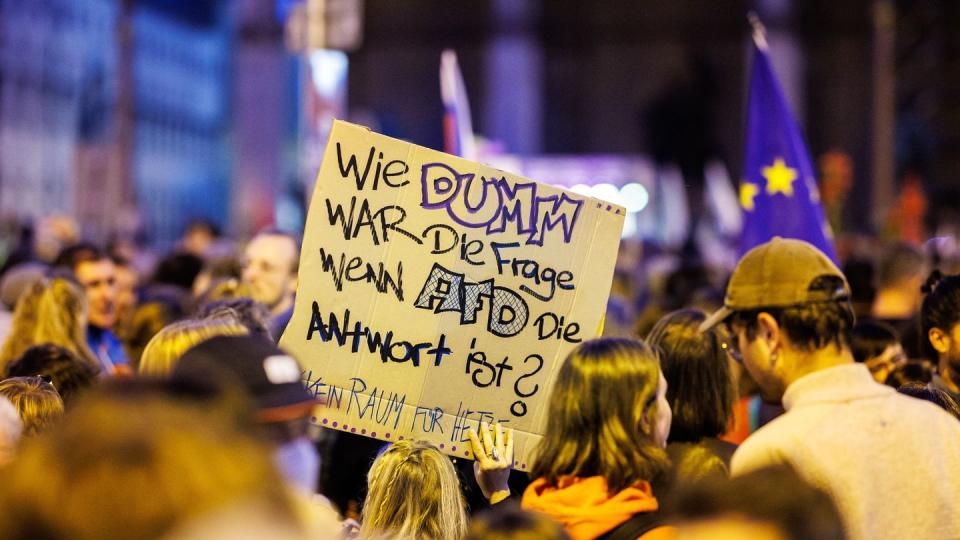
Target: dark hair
249	313
775	495
859	273
934	395
203	224
508	521
604	392
699	386
941	306
810	326
180	269
68	373
83	252
870	338
913	371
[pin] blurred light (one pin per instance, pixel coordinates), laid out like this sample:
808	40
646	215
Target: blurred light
328	70
634	197
608	192
629	227
582	189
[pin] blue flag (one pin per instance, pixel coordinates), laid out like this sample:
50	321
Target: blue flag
778	192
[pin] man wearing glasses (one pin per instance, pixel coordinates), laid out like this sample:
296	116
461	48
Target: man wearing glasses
891	463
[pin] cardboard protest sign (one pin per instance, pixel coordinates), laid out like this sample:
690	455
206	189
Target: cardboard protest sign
436	292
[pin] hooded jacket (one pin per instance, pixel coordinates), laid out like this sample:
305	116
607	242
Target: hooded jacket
586	510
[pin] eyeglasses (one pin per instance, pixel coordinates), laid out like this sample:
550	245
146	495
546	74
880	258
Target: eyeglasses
732	351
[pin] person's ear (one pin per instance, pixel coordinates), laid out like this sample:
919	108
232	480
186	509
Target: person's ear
646	422
293	284
939	340
768	329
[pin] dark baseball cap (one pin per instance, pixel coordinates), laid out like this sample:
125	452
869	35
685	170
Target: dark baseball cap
271	377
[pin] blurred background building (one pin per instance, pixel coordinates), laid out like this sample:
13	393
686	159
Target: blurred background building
137	116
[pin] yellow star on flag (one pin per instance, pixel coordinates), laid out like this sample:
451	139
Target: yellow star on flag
748	192
780	178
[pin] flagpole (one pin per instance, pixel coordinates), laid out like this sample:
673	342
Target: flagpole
759	31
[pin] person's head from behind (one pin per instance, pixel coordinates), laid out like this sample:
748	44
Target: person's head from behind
245	311
932	394
902	267
179	270
69	374
697	369
607	416
788	306
36	400
877	346
940	320
198	236
53	233
270	265
413	492
97	274
147	320
148	463
62	318
772	503
507	521
272	380
165	349
17	280
223	268
23	327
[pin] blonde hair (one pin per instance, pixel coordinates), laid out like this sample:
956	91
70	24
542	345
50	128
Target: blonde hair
23	325
36	400
166	348
599	416
413	492
50	311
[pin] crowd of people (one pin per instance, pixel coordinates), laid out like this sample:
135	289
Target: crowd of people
145	398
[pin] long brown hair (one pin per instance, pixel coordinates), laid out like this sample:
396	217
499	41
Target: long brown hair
601	415
700	388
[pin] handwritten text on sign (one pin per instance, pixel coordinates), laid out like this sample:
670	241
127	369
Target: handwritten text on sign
436	293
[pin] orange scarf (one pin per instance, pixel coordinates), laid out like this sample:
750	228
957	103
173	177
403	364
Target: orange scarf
583	506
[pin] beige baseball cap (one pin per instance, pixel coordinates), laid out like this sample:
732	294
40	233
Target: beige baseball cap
778	274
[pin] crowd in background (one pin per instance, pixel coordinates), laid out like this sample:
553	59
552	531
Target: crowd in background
144	396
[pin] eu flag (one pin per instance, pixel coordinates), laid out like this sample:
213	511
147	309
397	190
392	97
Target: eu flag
778	192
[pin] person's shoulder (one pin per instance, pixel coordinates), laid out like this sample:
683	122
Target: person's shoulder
765	446
930	414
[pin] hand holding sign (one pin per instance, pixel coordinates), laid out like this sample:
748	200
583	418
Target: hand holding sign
494	459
